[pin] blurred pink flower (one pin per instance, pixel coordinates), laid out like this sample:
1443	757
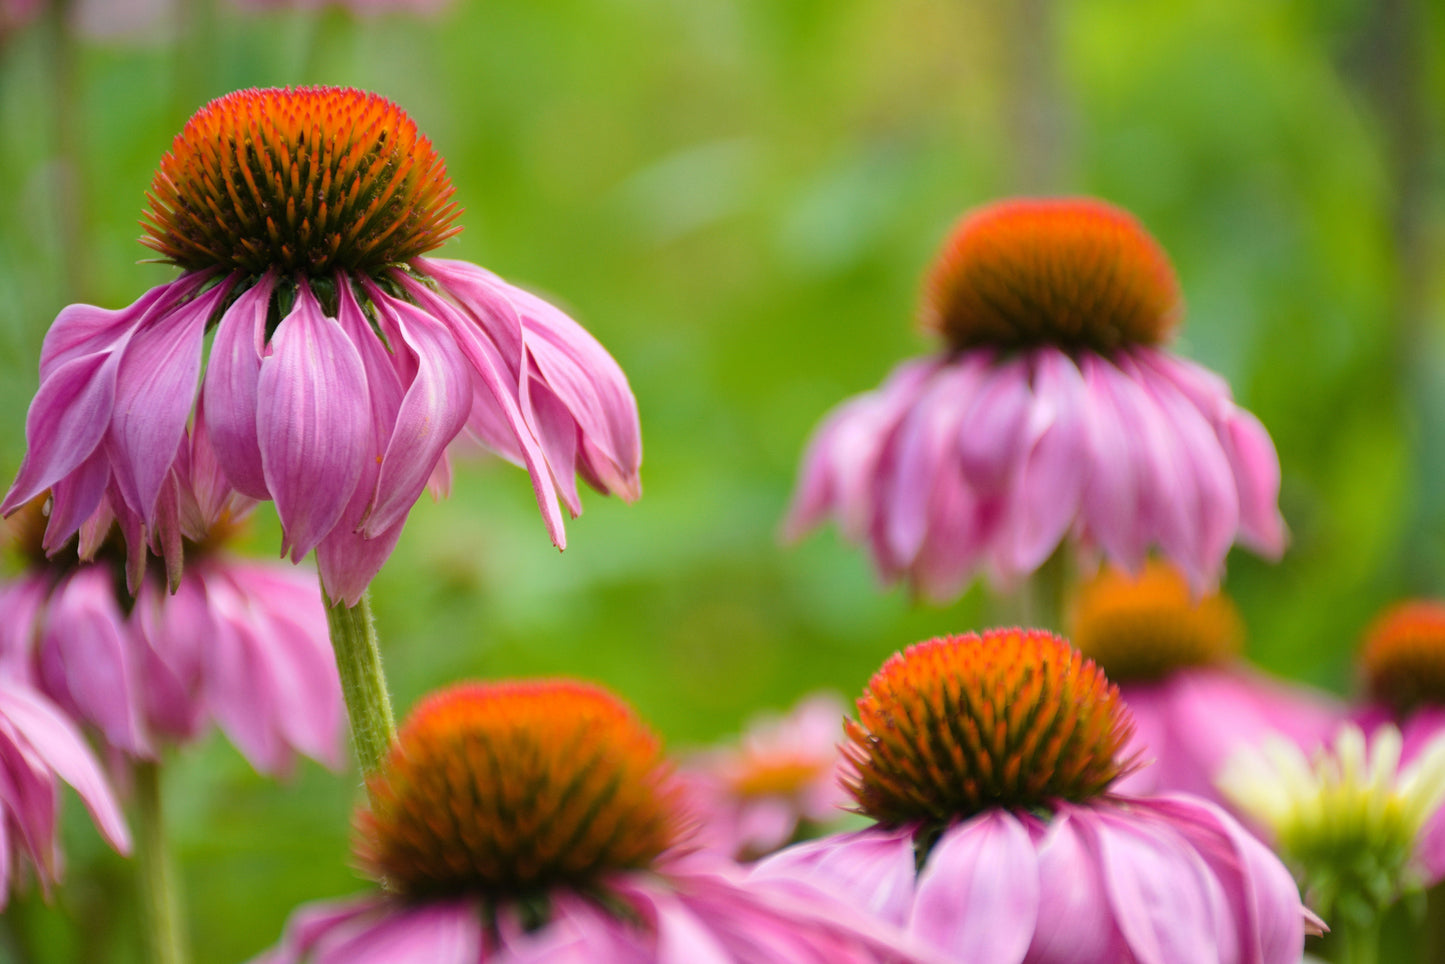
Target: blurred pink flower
987	761
342	363
39	747
754	796
1051	414
239	644
537	821
1176	658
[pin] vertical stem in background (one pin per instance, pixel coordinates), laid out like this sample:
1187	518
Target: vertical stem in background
164	934
1032	96
195	24
1359	943
69	182
363	685
1041	601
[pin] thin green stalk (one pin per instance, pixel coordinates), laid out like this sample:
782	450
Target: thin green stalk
363	685
161	918
1359	942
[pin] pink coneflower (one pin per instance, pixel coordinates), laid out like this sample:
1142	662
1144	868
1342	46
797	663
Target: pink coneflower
779	780
986	761
39	747
537	822
1403	664
342	362
1177	661
238	644
1052	412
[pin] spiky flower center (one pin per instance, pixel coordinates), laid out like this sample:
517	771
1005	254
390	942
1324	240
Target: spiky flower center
955	725
1076	273
508	788
1404	655
307	179
1144	627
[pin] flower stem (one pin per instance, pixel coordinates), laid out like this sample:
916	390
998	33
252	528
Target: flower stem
1359	940
363	686
161	917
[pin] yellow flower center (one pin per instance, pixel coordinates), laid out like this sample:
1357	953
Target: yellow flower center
955	725
1075	272
307	179
508	788
1145	627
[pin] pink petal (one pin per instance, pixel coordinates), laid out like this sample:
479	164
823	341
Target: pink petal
978	892
65	751
433	411
1075	922
313	422
230	393
437	932
1110	502
992	435
872	869
155	390
1256	473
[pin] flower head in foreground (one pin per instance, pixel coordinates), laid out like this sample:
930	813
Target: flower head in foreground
537	822
779	780
1402	662
239	644
341	363
986	761
1176	659
1052	412
39	747
1348	820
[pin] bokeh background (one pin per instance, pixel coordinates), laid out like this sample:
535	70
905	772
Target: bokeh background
739	197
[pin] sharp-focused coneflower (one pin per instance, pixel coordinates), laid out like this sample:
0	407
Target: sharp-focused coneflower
987	763
1402	661
538	822
1051	412
1349	819
341	363
779	780
1177	659
39	747
237	644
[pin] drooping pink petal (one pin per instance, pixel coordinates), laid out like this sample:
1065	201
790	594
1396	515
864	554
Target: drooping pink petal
1256	472
1110	504
172	633
438	932
433	411
487	299
978	892
64	750
233	375
1075	922
74	499
870	869
155	389
992	437
313	422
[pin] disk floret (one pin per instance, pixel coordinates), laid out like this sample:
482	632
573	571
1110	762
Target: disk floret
307	179
508	788
955	725
1404	655
1068	272
1144	627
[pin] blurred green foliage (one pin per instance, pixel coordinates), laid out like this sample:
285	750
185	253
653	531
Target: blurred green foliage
738	197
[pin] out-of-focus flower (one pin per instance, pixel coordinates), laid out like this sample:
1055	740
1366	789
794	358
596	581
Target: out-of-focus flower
1349	820
342	363
1052	412
362	7
537	822
986	761
39	747
1402	661
1176	659
779	779
239	644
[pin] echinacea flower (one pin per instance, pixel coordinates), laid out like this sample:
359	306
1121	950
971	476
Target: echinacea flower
780	779
1402	661
238	644
987	762
1349	818
39	747
1052	412
538	822
1177	660
341	362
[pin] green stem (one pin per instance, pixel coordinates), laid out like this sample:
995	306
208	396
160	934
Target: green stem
1359	941
164	935
363	685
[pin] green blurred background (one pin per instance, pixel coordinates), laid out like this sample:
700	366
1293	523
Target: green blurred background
738	197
